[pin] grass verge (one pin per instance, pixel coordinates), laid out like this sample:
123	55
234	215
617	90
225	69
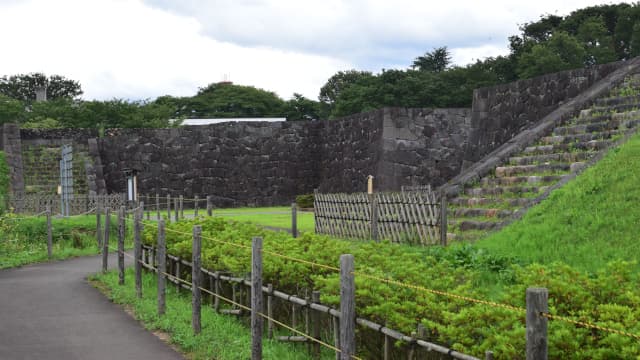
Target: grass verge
223	337
23	240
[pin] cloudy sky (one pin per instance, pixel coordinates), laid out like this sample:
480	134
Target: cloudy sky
139	49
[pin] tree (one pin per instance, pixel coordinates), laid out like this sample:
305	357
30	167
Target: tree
597	42
23	86
561	52
225	100
435	61
301	108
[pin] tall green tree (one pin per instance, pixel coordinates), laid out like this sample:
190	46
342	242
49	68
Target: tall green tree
23	86
436	60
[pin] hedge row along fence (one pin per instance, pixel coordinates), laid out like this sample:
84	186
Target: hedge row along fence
299	267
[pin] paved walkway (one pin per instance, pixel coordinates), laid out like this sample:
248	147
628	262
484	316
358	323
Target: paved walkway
49	311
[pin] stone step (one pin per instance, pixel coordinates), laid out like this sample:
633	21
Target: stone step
506	171
553	157
560	148
565	139
499	190
512	180
618	100
590	119
480	212
486	201
620	108
466	225
584	128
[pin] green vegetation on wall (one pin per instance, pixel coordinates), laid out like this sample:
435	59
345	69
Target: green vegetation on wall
4	181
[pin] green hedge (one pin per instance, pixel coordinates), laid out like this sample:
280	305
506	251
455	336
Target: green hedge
610	297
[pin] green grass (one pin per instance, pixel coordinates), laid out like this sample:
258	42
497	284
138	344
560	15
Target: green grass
276	216
23	240
587	223
223	337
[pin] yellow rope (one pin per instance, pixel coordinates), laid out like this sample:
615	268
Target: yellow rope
589	325
442	293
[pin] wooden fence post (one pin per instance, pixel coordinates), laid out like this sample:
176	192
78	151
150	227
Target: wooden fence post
195	206
121	219
176	208
315	298
105	241
148	208
162	267
137	252
99	226
256	299
49	234
374	216
443	218
294	220
181	207
196	279
488	355
168	207
270	310
209	205
336	335
157	206
216	290
347	307
537	303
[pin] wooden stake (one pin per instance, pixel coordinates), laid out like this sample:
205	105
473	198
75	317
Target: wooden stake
294	220
537	303
256	299
105	243
49	234
196	279
162	267
121	219
137	252
99	226
209	205
347	307
195	206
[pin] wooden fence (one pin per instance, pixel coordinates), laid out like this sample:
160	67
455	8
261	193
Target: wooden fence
405	217
80	204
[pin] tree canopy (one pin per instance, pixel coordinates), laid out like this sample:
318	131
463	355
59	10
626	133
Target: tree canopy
23	86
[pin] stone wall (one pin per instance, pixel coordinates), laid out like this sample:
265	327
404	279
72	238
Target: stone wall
421	146
240	164
501	112
350	149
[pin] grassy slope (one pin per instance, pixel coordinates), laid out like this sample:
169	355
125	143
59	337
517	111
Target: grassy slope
223	337
587	223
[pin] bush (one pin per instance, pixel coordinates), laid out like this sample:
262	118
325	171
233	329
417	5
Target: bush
609	297
305	201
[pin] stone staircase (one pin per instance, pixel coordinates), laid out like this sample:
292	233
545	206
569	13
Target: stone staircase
507	191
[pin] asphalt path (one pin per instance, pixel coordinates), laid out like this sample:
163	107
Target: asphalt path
49	311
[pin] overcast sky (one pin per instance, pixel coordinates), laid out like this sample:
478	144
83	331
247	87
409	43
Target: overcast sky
139	49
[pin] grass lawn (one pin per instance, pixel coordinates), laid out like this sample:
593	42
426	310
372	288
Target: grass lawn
276	216
223	337
23	240
587	223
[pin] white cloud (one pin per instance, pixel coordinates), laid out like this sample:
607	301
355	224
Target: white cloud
127	49
364	31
